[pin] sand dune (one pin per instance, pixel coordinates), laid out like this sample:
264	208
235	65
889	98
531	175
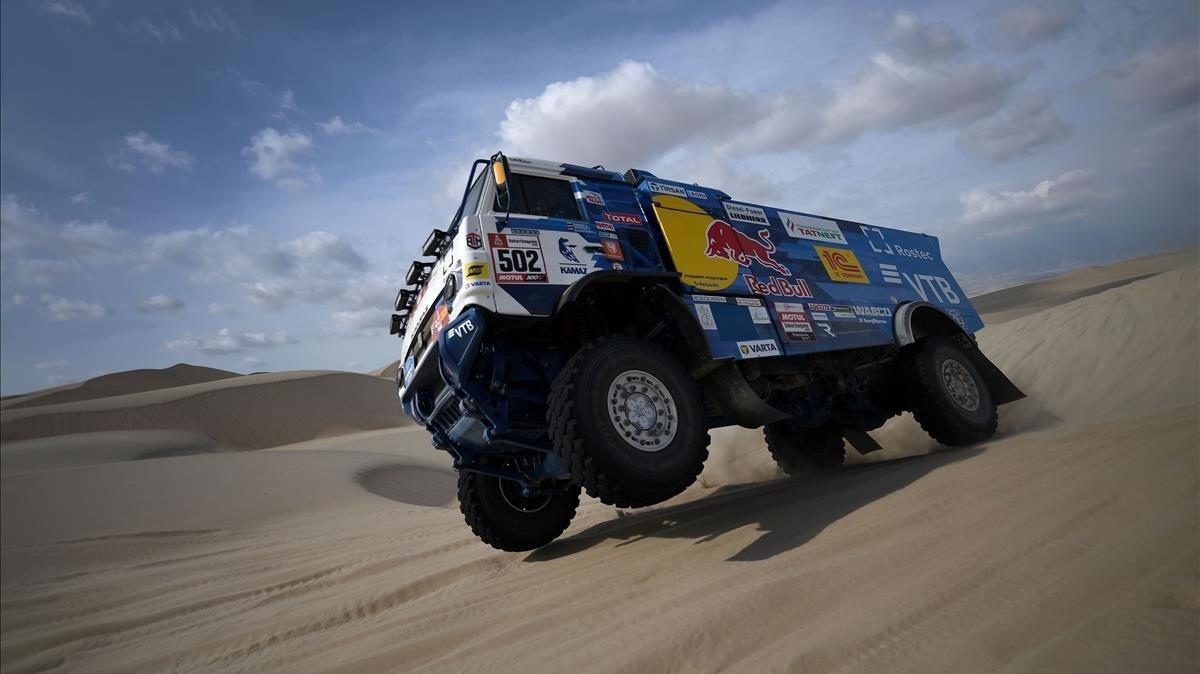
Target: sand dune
119	383
1068	543
251	411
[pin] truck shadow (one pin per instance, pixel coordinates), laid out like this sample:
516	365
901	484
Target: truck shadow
787	512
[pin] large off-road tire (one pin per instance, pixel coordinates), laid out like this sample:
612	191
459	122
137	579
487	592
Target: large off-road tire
947	394
805	451
626	419
505	520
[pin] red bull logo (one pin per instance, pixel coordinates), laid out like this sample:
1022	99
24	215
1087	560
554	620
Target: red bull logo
724	241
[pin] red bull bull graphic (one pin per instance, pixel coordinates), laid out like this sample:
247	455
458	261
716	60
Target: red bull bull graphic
727	242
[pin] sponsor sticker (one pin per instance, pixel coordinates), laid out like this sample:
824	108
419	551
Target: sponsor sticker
890	274
474	241
819	315
581	227
794	321
705	314
746	213
880	244
841	265
441	316
477	284
695	194
476	270
667	189
779	287
759	314
606	226
410	364
611	249
759	348
709	298
727	242
593	198
462	329
748	302
518	259
623	218
814	229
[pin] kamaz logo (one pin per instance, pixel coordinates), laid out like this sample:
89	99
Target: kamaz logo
572	270
464	328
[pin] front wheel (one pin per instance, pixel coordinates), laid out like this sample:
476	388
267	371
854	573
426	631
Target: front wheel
948	396
627	421
504	518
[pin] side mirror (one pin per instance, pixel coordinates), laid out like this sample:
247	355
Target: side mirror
500	176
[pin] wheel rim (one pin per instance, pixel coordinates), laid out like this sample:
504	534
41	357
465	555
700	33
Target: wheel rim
511	493
642	410
960	384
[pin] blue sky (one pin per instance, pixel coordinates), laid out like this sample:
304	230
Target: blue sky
243	185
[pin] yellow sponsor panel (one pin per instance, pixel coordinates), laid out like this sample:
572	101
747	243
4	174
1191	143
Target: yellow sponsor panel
685	227
476	270
841	265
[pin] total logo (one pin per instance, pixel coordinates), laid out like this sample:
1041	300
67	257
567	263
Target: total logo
759	348
724	241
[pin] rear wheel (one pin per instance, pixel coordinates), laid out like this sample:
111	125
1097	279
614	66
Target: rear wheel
504	518
626	419
804	451
948	396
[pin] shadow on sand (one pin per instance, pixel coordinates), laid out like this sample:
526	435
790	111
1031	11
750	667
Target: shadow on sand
787	512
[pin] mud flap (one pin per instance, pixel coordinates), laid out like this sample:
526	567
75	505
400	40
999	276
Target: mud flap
1002	388
729	391
861	442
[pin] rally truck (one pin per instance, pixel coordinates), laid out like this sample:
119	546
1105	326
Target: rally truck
575	328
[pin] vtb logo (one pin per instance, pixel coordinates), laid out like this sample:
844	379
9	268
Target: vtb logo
841	265
725	241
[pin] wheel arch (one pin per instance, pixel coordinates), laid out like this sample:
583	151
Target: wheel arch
914	320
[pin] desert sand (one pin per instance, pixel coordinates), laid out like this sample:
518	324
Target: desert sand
171	527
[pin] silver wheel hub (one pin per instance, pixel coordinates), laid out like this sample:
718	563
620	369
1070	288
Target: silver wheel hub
642	411
960	384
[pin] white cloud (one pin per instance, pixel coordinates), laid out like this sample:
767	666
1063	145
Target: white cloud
273	158
158	304
360	323
35	250
82	199
1063	198
635	113
61	309
68	9
336	127
19	300
143	151
50	365
212	20
1025	125
217	309
227	341
284	99
1162	78
1024	27
323	246
917	42
162	32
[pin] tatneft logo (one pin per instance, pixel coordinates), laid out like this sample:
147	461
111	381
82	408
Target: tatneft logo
758	348
667	189
814	229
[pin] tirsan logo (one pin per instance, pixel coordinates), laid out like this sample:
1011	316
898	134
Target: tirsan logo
464	328
726	242
567	250
758	348
841	264
477	270
667	189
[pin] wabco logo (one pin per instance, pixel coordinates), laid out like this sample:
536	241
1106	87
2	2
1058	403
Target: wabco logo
841	265
758	348
464	328
726	242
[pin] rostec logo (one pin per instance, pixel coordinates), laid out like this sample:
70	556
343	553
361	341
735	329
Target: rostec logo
623	218
876	239
842	265
667	189
464	328
758	348
474	241
815	229
726	242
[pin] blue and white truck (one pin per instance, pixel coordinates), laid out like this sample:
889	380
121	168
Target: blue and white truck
577	328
